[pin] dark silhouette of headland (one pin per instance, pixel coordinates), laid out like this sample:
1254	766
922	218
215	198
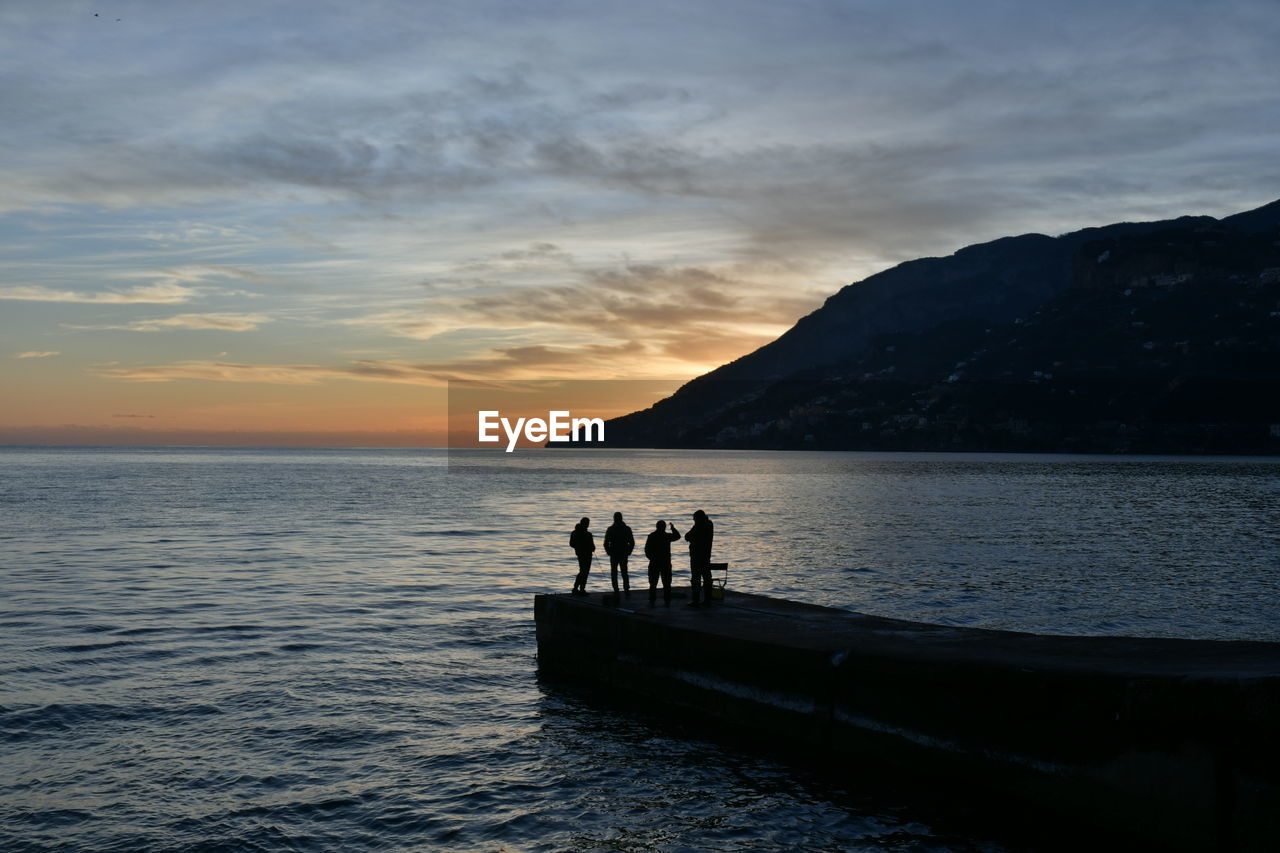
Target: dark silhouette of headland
1135	337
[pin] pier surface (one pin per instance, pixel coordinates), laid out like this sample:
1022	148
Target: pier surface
1171	742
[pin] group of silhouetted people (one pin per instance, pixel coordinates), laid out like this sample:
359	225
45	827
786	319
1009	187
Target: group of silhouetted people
619	543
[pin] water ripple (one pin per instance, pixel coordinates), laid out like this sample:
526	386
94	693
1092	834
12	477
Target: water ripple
205	650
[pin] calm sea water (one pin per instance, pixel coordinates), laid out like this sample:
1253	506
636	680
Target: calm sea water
228	649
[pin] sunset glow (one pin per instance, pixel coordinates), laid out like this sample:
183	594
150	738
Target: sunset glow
295	223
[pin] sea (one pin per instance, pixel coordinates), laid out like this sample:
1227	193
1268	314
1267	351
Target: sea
231	649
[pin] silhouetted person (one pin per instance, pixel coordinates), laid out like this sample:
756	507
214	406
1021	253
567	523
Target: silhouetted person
583	544
699	538
618	544
658	549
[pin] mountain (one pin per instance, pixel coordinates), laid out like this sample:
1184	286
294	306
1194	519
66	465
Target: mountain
1134	337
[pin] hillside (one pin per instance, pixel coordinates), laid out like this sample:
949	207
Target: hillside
1139	337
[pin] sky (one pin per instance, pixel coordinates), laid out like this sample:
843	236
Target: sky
295	222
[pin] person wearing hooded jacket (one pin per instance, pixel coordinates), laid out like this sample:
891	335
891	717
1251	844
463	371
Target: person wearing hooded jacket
699	538
618	544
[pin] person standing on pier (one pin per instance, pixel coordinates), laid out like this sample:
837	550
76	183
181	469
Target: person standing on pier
657	547
618	544
583	544
699	538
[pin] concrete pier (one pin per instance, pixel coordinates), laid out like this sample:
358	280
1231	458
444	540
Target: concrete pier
1172	743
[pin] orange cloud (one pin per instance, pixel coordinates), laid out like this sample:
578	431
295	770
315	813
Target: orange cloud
281	374
689	319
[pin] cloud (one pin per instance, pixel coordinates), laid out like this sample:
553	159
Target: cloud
170	286
526	185
415	323
604	320
38	354
739	104
197	273
703	346
190	232
536	256
643	300
217	322
161	293
535	361
650	166
540	361
276	374
504	363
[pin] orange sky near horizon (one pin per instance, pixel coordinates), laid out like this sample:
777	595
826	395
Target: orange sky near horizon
316	413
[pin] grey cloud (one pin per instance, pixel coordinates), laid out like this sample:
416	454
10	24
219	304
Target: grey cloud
537	256
943	118
774	138
650	167
538	252
637	94
410	145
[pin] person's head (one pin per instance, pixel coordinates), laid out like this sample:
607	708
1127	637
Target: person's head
699	515
662	525
617	518
586	522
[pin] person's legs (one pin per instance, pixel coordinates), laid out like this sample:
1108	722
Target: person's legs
666	582
695	583
584	569
654	571
700	569
613	571
626	581
705	570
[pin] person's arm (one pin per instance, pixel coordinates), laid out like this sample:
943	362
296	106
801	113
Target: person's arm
674	534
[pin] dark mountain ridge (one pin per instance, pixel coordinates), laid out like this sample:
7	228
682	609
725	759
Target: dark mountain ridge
1157	336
